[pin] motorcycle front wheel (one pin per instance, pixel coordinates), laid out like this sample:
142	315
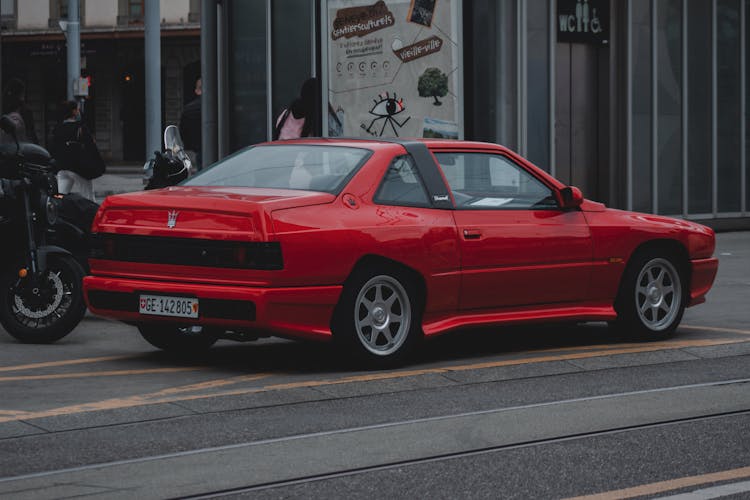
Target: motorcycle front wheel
45	311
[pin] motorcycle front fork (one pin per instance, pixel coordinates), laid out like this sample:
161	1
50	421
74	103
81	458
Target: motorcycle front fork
36	268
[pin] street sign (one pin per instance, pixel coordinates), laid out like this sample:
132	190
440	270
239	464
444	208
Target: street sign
583	21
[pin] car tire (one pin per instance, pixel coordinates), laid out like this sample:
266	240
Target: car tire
652	297
177	339
378	319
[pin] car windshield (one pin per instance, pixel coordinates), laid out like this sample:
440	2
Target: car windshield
292	166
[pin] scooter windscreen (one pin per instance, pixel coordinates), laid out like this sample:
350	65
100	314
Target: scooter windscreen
173	143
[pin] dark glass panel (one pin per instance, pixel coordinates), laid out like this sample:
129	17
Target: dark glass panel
247	73
699	107
669	99
727	110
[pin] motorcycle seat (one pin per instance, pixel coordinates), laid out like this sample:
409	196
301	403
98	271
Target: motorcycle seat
32	153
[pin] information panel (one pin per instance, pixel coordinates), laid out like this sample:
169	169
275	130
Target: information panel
394	68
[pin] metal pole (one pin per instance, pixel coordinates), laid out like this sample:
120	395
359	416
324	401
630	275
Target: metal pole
270	123
629	104
222	141
552	82
714	116
74	47
685	90
152	46
654	112
743	108
325	98
209	98
1	68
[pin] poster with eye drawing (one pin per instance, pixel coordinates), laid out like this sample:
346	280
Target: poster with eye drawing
394	68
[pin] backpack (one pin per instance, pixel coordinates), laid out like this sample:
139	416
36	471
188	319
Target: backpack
78	153
288	127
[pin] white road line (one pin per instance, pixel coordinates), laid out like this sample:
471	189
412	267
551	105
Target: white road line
374	427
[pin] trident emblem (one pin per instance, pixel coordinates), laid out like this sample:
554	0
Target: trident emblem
172	218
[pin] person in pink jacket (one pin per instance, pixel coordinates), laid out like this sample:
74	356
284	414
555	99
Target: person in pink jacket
297	120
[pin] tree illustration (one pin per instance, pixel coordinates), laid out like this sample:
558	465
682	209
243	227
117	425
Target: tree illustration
433	83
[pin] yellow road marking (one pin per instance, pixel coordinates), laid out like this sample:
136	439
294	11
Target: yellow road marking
601	348
672	484
716	329
173	394
110	373
66	362
211	384
128	402
10	412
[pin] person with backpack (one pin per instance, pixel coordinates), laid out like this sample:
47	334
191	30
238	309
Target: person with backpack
75	151
190	124
298	119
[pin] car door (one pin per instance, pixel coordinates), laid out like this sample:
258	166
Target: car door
518	247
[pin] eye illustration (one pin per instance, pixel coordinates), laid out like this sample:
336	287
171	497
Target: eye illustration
387	105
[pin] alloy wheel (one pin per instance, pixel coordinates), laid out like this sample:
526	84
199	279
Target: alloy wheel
383	315
658	294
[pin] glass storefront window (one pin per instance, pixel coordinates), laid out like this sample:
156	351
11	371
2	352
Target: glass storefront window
247	73
394	69
669	105
538	83
699	108
292	56
727	110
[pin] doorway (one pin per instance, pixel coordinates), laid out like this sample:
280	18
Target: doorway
133	112
578	140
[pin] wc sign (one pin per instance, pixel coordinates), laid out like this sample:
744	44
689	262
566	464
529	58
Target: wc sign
583	21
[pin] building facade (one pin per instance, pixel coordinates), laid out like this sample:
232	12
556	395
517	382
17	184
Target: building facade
641	103
112	56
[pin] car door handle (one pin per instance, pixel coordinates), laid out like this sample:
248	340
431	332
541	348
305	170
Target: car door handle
472	234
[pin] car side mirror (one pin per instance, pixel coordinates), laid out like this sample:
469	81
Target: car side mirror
571	197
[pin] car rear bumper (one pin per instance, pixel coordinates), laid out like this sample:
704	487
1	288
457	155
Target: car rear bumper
288	312
703	273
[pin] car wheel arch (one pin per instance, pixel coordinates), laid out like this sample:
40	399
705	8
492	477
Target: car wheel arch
373	261
370	262
670	248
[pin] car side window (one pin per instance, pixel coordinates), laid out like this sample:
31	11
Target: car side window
491	181
402	185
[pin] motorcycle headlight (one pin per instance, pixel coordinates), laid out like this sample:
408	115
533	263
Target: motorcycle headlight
51	209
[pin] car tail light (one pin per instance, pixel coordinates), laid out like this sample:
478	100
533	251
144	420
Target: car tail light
187	251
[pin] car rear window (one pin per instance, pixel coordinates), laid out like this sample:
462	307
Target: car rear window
293	166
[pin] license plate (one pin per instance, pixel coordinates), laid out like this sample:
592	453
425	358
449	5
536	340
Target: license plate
163	305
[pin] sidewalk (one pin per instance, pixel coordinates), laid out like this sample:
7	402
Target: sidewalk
118	179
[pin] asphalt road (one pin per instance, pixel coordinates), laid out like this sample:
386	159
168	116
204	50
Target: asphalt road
538	412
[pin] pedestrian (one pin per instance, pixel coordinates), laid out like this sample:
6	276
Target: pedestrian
76	153
190	124
298	119
14	101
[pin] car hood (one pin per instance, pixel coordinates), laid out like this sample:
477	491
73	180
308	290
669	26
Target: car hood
201	212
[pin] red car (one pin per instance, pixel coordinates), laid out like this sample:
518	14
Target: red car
379	243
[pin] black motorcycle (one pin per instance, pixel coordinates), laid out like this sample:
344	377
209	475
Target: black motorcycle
41	297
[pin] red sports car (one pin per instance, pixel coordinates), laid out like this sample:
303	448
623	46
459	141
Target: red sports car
378	243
